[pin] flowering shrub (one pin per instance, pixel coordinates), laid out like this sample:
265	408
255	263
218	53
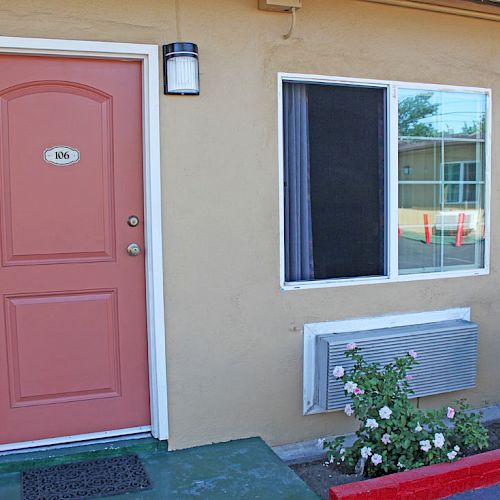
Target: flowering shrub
393	434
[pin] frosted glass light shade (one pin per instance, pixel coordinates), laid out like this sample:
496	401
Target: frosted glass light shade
182	75
181	71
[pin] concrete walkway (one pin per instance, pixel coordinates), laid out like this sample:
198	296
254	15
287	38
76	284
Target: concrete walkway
246	469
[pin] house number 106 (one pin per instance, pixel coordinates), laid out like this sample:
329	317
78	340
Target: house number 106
61	155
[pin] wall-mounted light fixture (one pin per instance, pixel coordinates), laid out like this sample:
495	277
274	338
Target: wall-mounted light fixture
180	69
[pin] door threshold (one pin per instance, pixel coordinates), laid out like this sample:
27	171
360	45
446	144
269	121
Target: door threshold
76	440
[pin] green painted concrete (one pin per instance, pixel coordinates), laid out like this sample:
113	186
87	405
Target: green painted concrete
242	469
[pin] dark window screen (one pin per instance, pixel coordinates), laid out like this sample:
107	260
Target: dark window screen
347	164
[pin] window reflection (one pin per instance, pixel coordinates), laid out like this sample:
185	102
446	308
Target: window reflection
425	114
441	180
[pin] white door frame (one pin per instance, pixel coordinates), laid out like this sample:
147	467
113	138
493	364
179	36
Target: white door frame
148	54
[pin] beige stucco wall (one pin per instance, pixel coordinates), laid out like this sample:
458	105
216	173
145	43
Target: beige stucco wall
234	340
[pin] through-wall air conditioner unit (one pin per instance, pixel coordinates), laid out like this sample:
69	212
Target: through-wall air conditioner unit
447	356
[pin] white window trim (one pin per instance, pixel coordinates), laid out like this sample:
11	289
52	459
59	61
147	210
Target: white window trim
148	54
392	184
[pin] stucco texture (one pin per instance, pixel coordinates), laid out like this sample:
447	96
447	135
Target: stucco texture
234	340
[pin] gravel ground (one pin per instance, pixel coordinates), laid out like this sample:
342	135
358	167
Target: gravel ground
319	477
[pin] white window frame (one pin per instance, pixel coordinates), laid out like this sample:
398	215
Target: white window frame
391	252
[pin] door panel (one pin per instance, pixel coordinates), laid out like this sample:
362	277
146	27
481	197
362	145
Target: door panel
81	215
80	331
73	337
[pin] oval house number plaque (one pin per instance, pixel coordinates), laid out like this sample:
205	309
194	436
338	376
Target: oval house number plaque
61	155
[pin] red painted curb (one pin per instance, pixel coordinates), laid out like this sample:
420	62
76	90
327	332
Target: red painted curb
426	483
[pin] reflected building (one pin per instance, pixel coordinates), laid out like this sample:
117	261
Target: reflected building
441	183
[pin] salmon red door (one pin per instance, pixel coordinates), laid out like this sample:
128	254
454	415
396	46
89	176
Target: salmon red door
73	338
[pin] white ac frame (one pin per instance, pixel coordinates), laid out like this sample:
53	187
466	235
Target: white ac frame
313	330
391	182
149	56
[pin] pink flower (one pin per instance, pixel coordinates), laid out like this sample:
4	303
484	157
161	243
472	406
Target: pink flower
350	386
357	391
425	445
409	377
413	354
338	372
385	412
376	459
386	438
351	346
438	440
451	412
348	410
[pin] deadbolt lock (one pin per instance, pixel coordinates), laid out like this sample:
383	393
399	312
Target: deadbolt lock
133	221
133	249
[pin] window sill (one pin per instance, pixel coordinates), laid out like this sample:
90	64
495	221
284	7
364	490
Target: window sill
381	279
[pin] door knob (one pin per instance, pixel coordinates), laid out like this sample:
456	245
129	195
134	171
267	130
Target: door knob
133	249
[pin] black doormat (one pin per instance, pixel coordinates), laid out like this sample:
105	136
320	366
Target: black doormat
93	478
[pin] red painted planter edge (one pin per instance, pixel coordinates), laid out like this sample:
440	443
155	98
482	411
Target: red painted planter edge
435	481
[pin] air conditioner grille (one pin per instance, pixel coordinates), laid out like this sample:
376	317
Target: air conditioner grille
447	355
